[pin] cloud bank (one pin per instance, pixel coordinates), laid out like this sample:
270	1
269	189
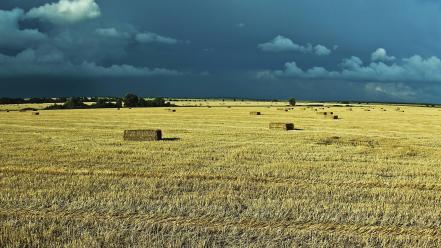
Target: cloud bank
412	69
46	62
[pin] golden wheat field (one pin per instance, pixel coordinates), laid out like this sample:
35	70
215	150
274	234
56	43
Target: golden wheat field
221	178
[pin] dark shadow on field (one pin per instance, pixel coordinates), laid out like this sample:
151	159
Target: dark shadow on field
171	139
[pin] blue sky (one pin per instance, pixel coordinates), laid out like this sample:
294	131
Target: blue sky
309	49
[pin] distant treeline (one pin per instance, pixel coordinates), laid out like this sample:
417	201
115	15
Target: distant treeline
5	100
130	100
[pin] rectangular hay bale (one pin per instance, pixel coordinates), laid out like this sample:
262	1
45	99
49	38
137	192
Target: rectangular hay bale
255	113
142	135
333	117
325	113
282	126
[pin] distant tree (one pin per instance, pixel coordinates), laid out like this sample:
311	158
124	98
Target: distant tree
292	102
74	103
104	103
131	100
119	103
141	102
54	107
158	102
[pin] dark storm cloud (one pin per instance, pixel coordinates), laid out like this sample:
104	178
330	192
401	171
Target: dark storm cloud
382	50
14	37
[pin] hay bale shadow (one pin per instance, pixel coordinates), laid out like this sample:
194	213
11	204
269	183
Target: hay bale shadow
171	139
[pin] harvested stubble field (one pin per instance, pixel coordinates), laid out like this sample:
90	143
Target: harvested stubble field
221	178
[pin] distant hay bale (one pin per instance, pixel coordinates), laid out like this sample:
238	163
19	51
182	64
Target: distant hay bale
325	113
349	109
333	117
35	113
281	126
255	113
172	110
142	135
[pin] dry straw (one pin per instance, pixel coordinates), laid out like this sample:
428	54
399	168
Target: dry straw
142	135
281	126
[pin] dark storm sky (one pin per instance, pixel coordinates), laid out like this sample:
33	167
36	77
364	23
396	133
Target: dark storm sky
309	49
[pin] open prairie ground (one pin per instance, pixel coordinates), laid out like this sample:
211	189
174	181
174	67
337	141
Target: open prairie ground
221	178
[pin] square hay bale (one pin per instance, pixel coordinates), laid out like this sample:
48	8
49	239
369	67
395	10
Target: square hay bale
281	126
35	113
142	135
172	110
255	113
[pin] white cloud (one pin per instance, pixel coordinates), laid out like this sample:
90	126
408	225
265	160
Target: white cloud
381	55
66	11
11	36
321	50
150	37
283	44
52	62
